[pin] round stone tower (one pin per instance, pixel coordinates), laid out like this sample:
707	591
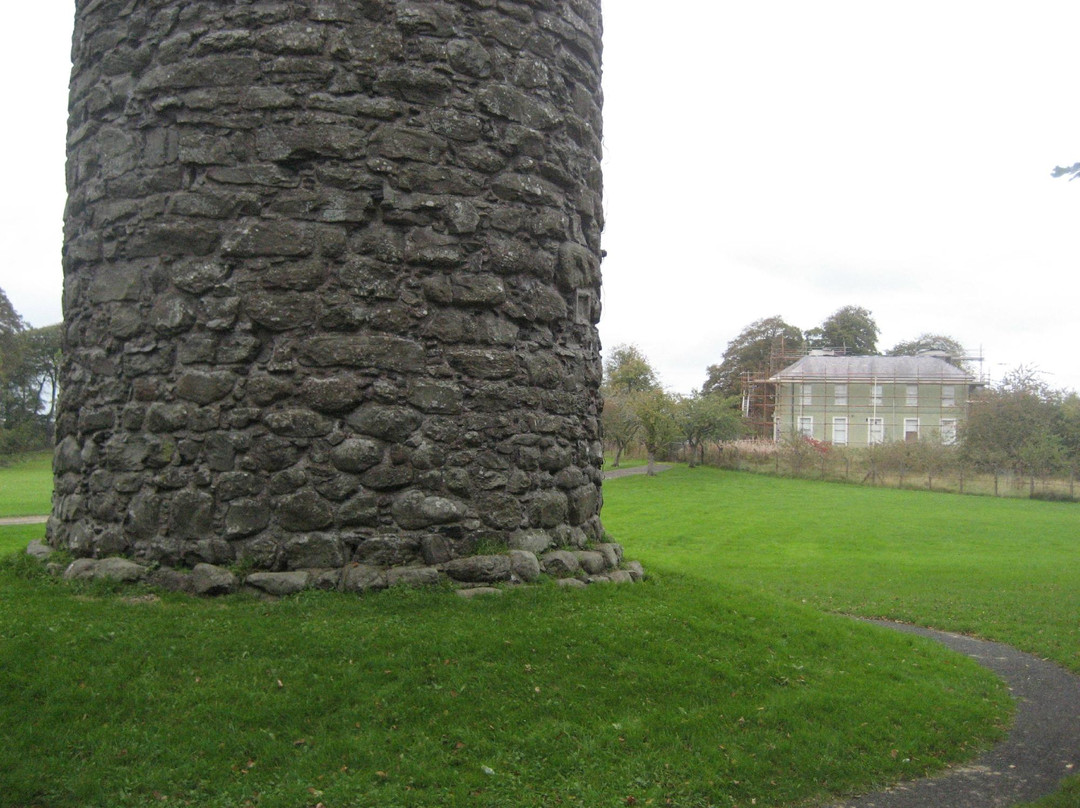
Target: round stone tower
332	283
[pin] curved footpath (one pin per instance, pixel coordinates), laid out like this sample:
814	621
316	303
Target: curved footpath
1042	749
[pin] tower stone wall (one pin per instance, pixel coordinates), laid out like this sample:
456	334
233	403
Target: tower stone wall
331	283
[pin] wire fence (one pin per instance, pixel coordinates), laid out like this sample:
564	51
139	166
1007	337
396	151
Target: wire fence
917	466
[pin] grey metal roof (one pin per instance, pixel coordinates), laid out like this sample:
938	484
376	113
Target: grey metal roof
877	368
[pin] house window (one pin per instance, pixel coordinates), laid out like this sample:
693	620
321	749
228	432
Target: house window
912	397
807	395
911	429
840	395
806	426
839	431
948	396
875	395
948	431
875	430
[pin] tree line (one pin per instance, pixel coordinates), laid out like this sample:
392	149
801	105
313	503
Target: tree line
637	410
29	370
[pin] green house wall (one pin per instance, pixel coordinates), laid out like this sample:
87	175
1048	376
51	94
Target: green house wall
892	407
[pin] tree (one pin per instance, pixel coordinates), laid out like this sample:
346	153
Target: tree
1068	426
628	371
850	327
41	368
29	367
620	422
750	352
655	410
11	325
702	418
1014	426
941	343
928	342
10	320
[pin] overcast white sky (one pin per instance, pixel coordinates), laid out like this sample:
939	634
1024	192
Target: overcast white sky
774	157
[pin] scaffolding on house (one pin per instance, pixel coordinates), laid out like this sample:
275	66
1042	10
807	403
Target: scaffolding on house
759	394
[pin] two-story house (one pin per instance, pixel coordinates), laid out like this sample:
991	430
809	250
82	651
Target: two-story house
863	400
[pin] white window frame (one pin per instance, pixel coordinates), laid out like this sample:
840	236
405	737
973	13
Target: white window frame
805	426
875	431
911	395
948	396
908	422
840	395
840	430
875	394
948	431
807	395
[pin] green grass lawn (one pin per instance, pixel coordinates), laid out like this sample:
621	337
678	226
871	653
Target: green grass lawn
720	682
15	537
26	485
666	691
1002	569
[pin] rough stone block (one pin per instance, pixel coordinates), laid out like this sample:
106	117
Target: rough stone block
374	351
414	510
389	551
362	578
246	517
479	568
298	423
39	550
536	542
205	388
548	508
612	552
560	563
591	562
207	579
313	551
412	576
279	584
524	565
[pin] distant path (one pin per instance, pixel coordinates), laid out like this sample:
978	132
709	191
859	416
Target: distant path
1043	746
614	473
23	520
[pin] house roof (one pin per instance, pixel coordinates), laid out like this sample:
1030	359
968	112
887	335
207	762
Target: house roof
874	368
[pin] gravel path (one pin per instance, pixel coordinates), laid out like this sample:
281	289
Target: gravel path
613	473
1042	748
23	520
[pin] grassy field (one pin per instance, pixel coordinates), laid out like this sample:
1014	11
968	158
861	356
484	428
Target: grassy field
1003	569
720	681
26	485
